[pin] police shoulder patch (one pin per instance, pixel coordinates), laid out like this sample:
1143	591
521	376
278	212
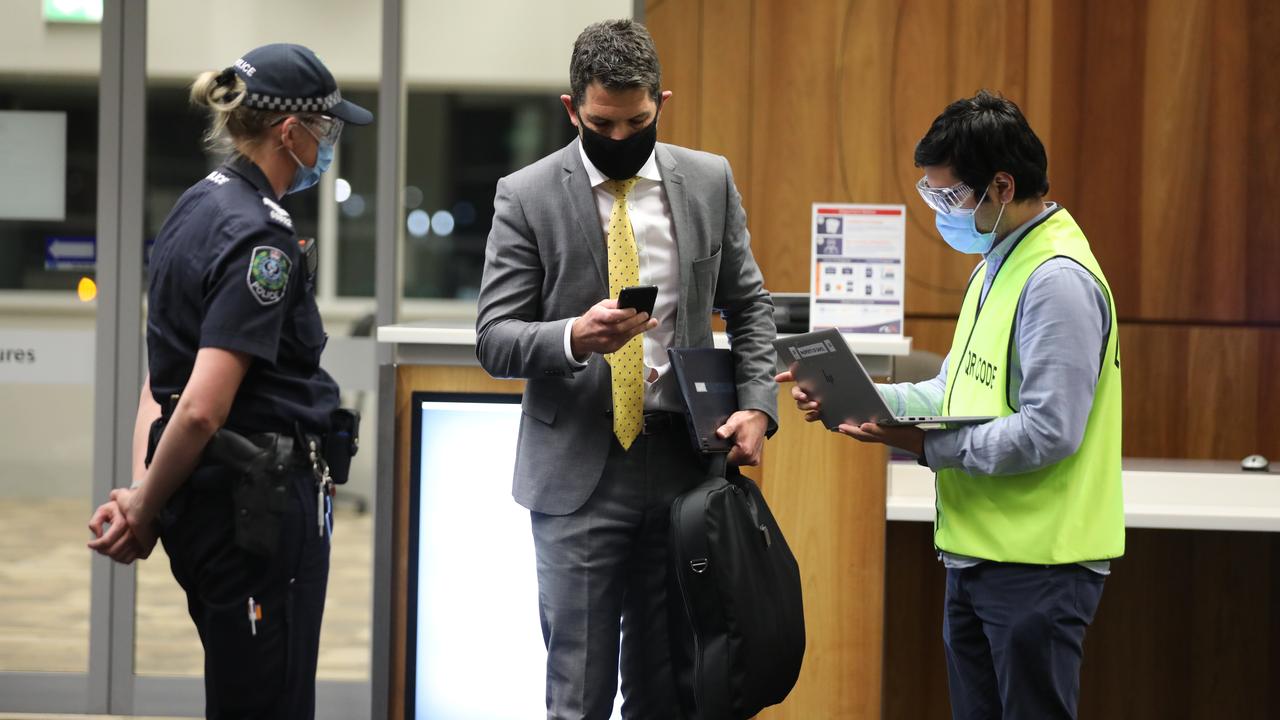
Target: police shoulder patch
268	274
277	214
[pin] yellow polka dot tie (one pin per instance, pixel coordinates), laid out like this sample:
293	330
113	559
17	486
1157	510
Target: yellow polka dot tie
627	364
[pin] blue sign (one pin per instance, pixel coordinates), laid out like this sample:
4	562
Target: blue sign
70	252
80	252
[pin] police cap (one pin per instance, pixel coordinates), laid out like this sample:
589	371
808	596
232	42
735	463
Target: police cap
282	77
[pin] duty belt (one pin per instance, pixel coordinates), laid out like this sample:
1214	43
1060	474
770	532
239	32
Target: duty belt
242	454
275	452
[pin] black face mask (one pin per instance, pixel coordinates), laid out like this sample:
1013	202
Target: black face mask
619	159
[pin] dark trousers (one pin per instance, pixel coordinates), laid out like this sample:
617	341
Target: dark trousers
605	569
1014	638
265	668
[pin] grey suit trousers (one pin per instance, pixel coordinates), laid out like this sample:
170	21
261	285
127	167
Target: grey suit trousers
606	567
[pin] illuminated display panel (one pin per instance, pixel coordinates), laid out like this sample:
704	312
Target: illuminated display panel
475	642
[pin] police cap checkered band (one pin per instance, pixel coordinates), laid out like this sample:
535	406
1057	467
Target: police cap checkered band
262	101
287	78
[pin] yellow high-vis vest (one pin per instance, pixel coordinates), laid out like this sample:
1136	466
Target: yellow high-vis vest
1072	510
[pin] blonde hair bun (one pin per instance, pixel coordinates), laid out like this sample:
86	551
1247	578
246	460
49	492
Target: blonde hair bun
219	91
233	126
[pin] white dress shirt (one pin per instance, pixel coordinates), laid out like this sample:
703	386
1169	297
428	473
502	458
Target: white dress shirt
651	223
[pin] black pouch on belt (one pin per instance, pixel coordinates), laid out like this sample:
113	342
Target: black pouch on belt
153	437
260	492
341	444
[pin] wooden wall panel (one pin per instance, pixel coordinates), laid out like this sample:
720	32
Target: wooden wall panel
1210	390
1050	34
828	494
931	334
676	27
793	128
915	679
1159	116
1262	237
1097	157
1160	120
1176	116
725	87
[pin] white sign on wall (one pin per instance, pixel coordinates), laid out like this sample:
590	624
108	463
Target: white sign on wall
46	357
34	170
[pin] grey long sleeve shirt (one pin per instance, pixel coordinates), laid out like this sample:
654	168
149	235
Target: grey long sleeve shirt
1059	338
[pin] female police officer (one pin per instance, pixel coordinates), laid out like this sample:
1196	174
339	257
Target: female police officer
233	486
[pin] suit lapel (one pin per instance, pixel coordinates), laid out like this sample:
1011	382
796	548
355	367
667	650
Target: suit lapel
686	243
577	188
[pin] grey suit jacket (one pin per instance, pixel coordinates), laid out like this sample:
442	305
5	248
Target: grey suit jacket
546	262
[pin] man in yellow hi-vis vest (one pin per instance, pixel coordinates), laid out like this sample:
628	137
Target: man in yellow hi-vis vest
1029	510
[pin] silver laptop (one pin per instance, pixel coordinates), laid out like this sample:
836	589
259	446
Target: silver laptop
826	369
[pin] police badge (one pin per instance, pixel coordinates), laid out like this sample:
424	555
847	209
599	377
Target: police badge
268	274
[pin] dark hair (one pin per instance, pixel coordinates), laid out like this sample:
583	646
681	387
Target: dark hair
619	54
982	135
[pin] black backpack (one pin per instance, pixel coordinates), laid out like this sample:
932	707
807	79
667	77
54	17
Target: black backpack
740	586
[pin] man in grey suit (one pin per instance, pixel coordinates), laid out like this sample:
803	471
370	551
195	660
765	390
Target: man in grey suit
603	449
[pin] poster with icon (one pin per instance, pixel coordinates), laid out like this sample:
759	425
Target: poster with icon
858	260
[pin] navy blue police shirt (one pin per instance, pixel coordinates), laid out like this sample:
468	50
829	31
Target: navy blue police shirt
227	272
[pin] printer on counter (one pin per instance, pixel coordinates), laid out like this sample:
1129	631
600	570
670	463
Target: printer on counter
791	312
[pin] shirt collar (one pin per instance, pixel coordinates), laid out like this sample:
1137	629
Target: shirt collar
648	171
249	170
997	254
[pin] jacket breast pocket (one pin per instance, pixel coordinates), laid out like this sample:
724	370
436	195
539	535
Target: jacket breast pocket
706	272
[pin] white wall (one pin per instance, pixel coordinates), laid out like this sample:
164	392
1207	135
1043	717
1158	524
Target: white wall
466	43
28	46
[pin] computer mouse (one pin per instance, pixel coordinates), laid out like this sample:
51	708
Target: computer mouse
1255	462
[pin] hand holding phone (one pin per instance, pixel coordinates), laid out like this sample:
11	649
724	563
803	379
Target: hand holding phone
603	329
639	297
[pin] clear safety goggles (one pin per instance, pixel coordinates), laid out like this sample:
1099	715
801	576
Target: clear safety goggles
324	128
328	128
943	200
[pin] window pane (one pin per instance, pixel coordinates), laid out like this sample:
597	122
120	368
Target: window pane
458	145
25	104
358	168
48	222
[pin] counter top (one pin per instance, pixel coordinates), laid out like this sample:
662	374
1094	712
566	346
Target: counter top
457	334
1183	494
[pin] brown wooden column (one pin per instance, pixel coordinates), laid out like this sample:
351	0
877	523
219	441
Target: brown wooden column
827	492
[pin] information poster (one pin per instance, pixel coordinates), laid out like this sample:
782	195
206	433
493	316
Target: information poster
858	260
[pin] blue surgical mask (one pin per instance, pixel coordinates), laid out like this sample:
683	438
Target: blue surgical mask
304	177
960	231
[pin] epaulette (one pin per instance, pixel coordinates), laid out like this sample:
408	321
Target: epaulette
277	214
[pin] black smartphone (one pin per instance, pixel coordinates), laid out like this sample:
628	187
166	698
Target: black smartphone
640	297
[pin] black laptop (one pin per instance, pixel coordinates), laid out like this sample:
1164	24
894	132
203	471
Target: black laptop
706	380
